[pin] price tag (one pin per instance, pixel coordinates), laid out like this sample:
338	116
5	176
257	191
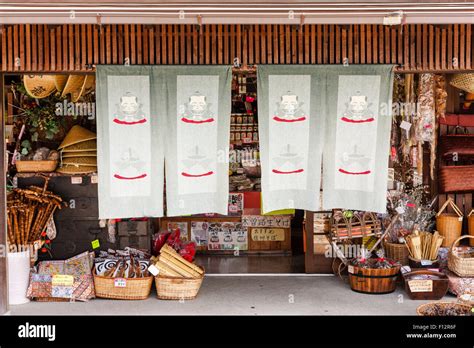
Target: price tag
153	270
426	262
350	269
420	285
95	244
405	125
405	269
75	180
267	234
460	218
120	282
94	179
62	280
400	210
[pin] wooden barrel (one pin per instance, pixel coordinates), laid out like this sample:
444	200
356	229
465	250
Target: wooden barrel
373	280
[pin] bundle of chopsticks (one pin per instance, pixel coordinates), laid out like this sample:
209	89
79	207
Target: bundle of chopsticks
28	212
424	245
171	264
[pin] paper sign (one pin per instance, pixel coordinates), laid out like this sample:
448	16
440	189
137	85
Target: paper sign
120	282
95	244
400	210
426	262
153	270
405	269
94	179
267	234
350	269
420	285
405	125
266	221
62	280
76	180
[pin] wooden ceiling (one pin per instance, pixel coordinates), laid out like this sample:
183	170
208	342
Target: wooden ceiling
79	47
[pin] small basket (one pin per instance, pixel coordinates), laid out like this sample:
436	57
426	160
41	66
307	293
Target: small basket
397	252
449	225
173	288
36	166
462	266
134	289
421	310
470	226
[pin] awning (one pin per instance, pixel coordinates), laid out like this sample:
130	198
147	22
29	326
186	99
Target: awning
236	12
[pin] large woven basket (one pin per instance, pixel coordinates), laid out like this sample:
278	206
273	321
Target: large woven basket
463	266
135	289
422	310
456	178
449	225
470	226
397	252
464	82
36	166
171	288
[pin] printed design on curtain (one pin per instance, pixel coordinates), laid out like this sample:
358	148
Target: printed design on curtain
289	109
129	147
197	110
197	105
129	110
289	97
356	132
130	166
358	110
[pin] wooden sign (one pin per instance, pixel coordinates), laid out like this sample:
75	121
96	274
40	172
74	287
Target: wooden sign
274	221
267	234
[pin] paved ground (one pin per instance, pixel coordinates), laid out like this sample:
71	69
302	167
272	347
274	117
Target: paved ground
248	295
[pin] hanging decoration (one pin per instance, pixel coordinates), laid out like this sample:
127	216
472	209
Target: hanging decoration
197	138
130	149
357	139
291	123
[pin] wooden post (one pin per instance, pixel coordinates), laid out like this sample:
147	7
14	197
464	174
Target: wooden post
3	211
309	237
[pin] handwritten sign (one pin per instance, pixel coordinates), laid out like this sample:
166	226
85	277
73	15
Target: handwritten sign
266	221
95	244
267	234
120	282
62	280
420	285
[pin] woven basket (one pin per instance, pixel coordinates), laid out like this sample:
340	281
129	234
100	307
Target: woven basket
462	266
469	301
135	289
36	166
456	178
397	252
421	310
449	225
464	82
171	288
470	226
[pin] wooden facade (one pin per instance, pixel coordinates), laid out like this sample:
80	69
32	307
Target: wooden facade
78	47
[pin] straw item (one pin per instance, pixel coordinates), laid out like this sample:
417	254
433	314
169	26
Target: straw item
67	154
470	226
85	146
39	86
87	86
36	166
81	161
464	82
60	82
462	265
449	225
423	245
176	288
397	252
135	288
73	85
72	169
77	134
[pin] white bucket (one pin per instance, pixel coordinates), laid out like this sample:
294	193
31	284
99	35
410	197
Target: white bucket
18	277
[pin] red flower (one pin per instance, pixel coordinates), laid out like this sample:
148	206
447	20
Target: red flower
48	241
43	234
43	250
363	259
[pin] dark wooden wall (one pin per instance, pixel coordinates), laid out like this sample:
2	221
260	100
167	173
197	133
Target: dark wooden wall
77	47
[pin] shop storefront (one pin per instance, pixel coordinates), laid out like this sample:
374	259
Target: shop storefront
64	78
